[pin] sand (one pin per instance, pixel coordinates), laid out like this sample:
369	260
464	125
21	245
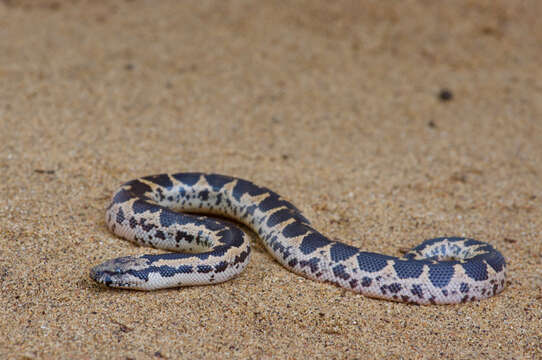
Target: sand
385	122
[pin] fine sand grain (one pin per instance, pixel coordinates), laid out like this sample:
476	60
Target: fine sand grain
385	122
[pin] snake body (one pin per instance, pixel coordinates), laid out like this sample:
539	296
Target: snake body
146	211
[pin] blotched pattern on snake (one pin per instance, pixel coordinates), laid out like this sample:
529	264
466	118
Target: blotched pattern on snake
146	211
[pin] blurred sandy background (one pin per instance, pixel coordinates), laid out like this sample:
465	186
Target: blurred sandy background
337	106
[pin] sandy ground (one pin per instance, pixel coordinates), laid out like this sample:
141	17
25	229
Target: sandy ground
335	105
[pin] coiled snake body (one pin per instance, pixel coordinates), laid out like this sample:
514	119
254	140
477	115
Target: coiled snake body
439	271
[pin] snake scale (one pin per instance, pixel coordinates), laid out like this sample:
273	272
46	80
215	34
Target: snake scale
147	211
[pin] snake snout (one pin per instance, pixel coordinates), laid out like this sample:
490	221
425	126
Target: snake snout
116	272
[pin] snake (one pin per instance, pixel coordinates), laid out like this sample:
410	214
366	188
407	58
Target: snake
171	212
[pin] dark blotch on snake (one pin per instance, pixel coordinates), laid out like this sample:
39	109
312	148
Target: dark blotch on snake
340	252
241	257
440	274
417	290
122	196
278	217
120	216
217	181
312	242
138	188
395	287
246	187
165	271
140	206
146	227
372	262
271	202
366	281
294	229
169	217
408	269
204	195
182	235
277	246
204	269
339	271
250	209
476	270
189	179
159	194
221	266
312	264
161	180
292	263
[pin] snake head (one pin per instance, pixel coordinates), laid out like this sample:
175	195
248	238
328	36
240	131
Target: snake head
123	272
